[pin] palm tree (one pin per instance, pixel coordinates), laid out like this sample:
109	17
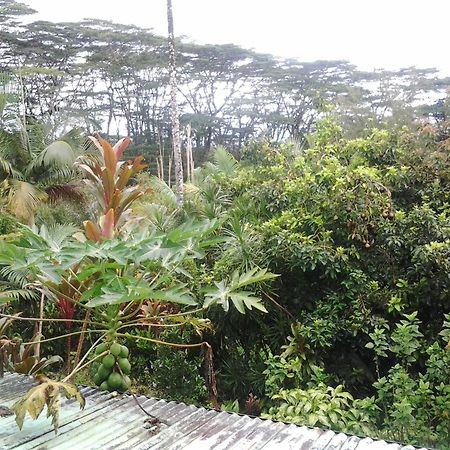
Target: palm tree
32	172
176	141
33	167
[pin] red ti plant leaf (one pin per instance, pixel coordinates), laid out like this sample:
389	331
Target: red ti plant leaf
124	176
109	156
126	201
67	311
107	224
138	164
92	231
108	185
130	169
92	172
117	199
121	146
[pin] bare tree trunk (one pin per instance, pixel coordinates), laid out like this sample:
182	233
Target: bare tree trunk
188	166
169	178
160	158
174	109
189	156
158	167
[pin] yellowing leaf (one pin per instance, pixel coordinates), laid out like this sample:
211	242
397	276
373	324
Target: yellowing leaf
47	393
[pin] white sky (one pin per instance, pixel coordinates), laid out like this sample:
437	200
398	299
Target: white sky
369	33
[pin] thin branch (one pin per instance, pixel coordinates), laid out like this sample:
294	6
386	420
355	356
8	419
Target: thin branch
81	340
146	412
39	331
156	325
157	341
62	336
34	319
80	365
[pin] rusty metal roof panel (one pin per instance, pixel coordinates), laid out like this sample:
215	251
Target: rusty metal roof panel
115	422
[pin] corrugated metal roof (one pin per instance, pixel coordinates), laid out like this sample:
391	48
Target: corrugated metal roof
115	422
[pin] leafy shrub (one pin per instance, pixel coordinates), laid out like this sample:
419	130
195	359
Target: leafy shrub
414	405
176	373
241	372
324	406
8	224
61	213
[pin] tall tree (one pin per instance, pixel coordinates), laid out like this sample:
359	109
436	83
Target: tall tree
176	141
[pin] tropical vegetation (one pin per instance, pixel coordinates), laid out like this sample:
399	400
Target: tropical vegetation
299	271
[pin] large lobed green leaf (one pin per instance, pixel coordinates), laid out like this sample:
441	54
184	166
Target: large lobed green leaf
225	291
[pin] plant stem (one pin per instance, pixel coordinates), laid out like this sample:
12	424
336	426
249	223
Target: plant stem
69	346
80	366
156	325
278	305
34	319
157	341
183	313
37	350
59	294
62	336
81	341
133	313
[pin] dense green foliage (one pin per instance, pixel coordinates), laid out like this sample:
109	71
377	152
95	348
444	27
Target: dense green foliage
352	335
359	231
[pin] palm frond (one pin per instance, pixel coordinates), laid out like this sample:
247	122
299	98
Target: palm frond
56	175
5	165
14	285
16	294
224	161
9	151
58	153
74	138
15	277
58	158
163	194
34	137
70	192
23	198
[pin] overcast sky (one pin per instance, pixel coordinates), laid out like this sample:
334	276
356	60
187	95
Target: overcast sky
369	33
